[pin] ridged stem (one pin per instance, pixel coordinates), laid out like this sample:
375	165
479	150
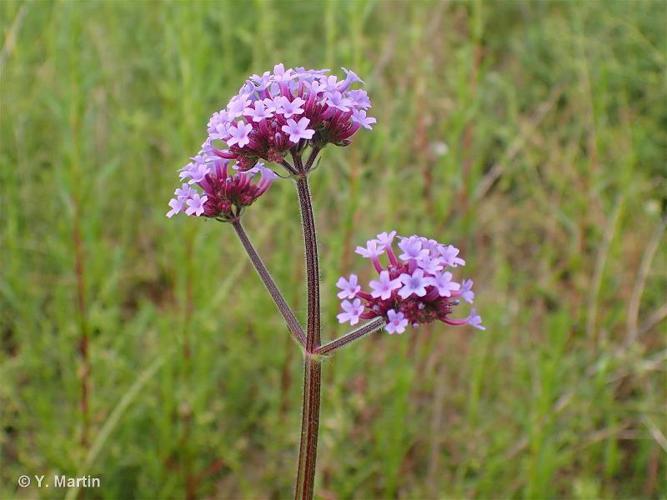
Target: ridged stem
334	345
312	265
312	376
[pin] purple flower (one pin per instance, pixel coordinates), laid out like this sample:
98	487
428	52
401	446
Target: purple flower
195	170
184	192
466	291
350	78
176	205
414	283
259	112
359	117
349	287
218	125
351	312
237	106
449	253
386	239
298	130
412	248
281	74
239	134
372	250
396	322
338	101
411	291
384	286
196	204
475	320
444	284
261	83
290	108
359	98
429	265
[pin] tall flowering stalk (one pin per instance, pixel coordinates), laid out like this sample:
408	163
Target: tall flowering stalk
285	118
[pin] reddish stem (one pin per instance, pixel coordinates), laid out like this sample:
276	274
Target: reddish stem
312	376
330	347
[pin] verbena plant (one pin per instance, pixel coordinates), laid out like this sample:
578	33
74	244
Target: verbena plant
285	118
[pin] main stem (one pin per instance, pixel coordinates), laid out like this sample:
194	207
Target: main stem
312	375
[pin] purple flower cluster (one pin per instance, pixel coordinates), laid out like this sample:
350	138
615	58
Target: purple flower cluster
413	288
273	113
285	109
224	196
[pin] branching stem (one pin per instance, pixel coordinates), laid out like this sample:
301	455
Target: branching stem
334	345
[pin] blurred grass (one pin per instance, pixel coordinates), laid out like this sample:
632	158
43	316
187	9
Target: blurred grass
533	135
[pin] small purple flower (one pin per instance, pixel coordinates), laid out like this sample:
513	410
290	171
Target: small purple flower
335	99
259	112
184	192
466	291
396	322
359	98
237	106
351	312
475	320
350	78
371	251
444	284
290	108
239	134
261	83
384	286
412	248
196	204
386	239
414	283
176	205
359	117
298	130
349	287
429	265
330	83
218	125
449	253
281	74
195	170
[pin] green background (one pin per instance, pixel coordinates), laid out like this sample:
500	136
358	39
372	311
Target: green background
530	134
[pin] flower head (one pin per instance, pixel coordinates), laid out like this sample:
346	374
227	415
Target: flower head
415	289
224	195
277	110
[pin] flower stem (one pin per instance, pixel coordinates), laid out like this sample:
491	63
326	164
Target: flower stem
310	424
292	323
312	376
334	345
312	265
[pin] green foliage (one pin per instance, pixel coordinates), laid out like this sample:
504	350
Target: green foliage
531	134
